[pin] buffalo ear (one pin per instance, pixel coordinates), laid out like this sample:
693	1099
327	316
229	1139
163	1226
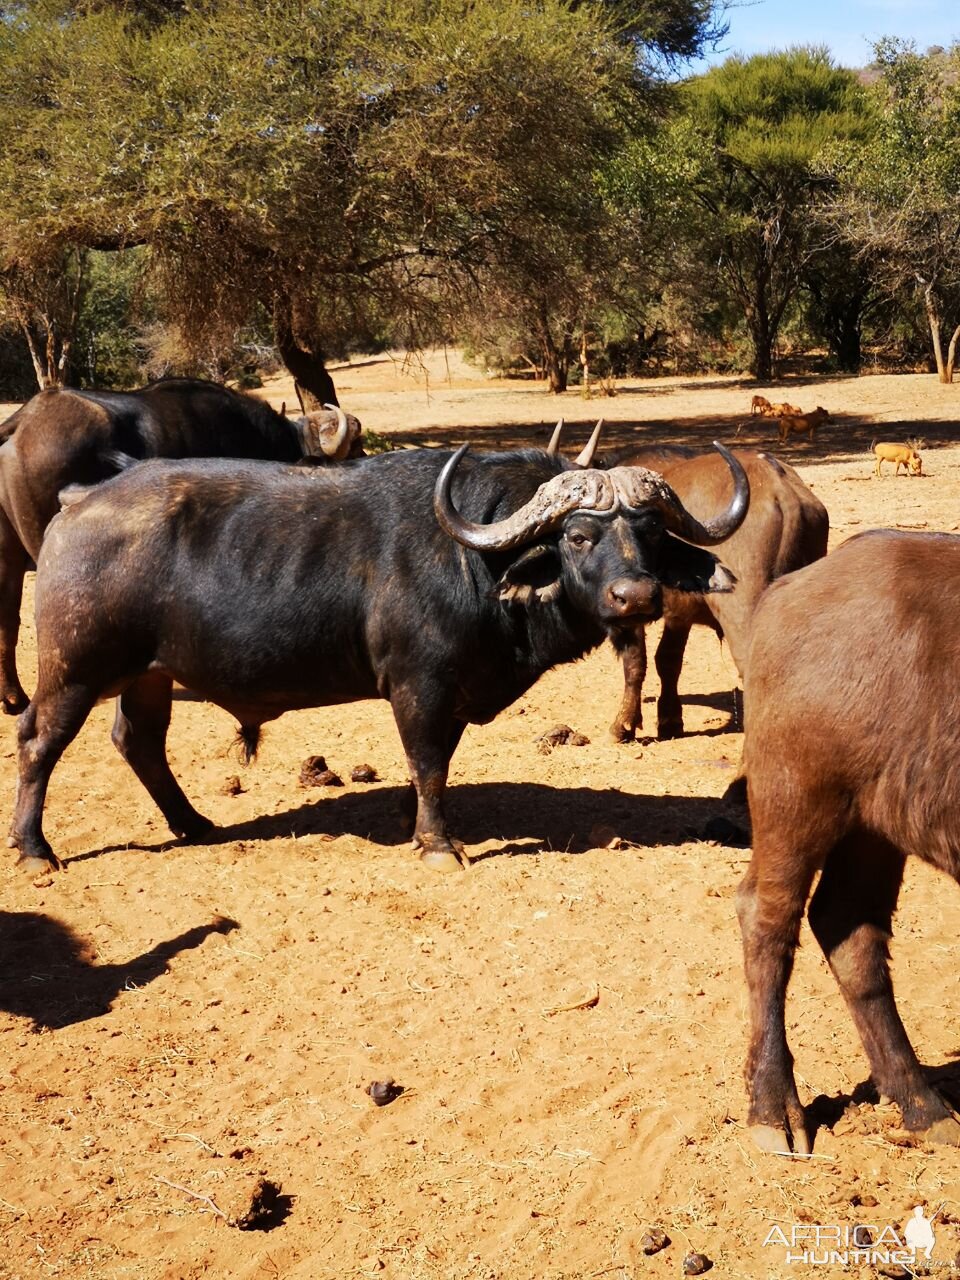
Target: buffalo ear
687	568
534	576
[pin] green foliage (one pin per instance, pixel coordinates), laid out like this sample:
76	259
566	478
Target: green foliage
899	195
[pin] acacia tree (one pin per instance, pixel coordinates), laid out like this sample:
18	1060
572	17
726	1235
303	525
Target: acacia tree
759	125
330	162
899	198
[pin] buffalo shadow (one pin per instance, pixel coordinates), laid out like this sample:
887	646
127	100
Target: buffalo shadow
49	974
523	817
826	1110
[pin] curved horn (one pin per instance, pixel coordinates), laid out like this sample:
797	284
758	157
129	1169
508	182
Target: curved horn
332	449
554	444
635	489
585	456
552	502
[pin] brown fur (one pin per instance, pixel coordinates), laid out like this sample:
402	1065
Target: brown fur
786	527
852	754
798	423
902	455
759	404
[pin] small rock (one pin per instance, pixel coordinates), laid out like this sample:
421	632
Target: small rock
561	735
695	1264
232	787
314	773
383	1092
364	773
654	1240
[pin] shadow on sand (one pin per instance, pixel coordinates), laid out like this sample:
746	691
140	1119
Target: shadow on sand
49	975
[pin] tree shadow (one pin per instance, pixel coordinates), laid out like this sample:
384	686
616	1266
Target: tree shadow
524	817
49	974
846	436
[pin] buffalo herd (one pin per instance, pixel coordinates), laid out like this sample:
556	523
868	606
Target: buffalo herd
178	536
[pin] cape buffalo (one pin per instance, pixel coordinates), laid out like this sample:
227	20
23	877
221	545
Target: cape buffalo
785	529
63	437
852	752
446	585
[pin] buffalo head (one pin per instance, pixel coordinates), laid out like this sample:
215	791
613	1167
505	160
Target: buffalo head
329	434
608	540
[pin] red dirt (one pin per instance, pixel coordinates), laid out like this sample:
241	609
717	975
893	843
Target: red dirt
158	1060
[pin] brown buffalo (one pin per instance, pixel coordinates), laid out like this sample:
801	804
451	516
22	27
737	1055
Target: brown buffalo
785	528
62	437
852	754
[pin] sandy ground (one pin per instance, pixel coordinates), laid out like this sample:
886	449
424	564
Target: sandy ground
177	1023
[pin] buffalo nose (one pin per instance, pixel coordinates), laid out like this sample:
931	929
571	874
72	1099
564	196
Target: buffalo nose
629	597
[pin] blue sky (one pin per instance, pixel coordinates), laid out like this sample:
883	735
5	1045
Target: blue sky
846	27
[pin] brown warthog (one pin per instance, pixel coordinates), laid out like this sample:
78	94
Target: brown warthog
904	455
797	423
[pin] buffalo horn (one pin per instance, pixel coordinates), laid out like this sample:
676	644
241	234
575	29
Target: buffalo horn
602	493
634	491
554	444
585	456
332	450
553	501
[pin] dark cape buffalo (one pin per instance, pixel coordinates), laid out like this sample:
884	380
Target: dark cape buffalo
445	584
786	528
63	437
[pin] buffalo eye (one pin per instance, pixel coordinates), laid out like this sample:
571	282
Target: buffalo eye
577	539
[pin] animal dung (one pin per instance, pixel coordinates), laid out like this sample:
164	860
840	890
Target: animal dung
314	773
383	1092
695	1264
654	1240
561	735
364	773
232	787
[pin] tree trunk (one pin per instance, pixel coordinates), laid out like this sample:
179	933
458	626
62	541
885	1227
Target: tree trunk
585	364
933	319
952	353
312	382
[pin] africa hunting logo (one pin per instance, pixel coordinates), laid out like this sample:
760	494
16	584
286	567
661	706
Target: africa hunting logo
840	1245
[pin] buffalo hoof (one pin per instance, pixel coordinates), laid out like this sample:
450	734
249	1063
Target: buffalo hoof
194	831
623	733
777	1141
669	729
441	854
437	860
35	864
14	703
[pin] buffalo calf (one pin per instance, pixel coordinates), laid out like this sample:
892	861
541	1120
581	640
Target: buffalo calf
852	755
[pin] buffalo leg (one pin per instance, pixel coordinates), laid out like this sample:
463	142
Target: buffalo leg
669	662
429	736
44	731
13	565
630	716
140	735
851	914
770	908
